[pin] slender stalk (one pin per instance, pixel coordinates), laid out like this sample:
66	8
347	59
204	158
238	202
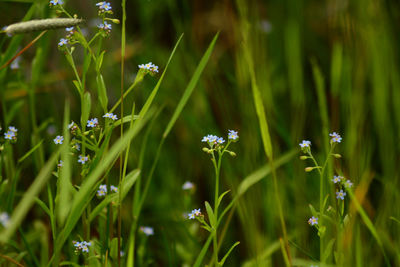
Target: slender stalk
215	236
321	196
122	172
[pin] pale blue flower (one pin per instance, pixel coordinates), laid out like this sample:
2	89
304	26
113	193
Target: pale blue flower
348	184
110	116
92	123
10	135
336	138
104	6
4	219
58	140
195	213
337	178
62	42
147	230
60	164
149	67
313	221
56	2
105	26
82	246
233	135
83	159
12	129
114	189
102	190
340	194
220	140
305	144
187	185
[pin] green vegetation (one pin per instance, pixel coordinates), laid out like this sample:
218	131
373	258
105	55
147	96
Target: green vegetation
105	159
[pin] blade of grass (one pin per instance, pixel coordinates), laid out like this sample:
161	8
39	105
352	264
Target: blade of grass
28	198
266	139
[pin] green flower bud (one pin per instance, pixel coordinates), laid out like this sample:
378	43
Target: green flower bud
308	169
303	157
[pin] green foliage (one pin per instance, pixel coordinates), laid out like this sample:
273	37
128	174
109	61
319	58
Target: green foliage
299	71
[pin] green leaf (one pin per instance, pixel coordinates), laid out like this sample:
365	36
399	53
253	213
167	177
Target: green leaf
64	185
203	251
325	202
43	206
77	85
87	59
328	250
257	98
125	119
313	211
27	154
102	92
28	198
114	248
261	173
222	196
191	85
9	116
210	214
129	181
227	254
99	62
86	106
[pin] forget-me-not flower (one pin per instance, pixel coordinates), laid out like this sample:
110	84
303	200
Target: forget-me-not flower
147	230
83	159
110	116
336	138
187	185
195	213
336	179
4	219
313	221
305	144
62	42
56	2
58	140
10	135
233	135
340	194
92	123
102	190
348	184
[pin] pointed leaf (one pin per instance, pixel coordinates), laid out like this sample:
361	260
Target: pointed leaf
222	196
210	214
227	254
102	92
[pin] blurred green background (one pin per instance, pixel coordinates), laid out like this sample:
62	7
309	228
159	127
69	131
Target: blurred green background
348	49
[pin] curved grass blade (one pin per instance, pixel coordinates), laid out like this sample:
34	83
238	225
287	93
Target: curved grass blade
29	198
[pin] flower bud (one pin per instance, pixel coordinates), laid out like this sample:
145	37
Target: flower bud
308	169
233	154
206	149
303	157
338	156
116	21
